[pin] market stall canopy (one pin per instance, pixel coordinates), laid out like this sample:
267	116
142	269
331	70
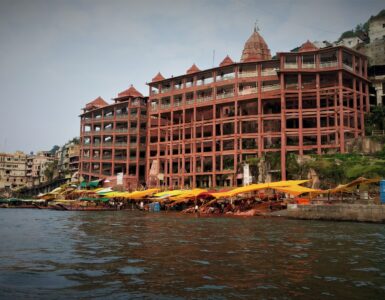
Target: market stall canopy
141	194
347	187
91	184
297	190
188	194
167	194
256	187
95	199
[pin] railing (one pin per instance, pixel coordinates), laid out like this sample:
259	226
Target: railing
292	86
168	105
378	132
178	86
135	103
154	92
154	108
189	102
247	74
121	116
106	156
270	72
225	95
347	67
166	90
106	144
328	64
120	144
225	77
178	103
108	117
205	81
291	65
121	129
248	91
270	87
120	158
204	99
133	130
308	65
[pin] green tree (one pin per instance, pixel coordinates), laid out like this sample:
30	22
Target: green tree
54	149
294	169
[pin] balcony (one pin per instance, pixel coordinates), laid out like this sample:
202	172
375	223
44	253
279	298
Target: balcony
247	74
248	91
108	117
119	130
189	101
225	77
347	67
328	64
165	106
204	99
271	87
270	72
121	116
120	158
165	90
178	103
291	65
225	95
120	144
308	65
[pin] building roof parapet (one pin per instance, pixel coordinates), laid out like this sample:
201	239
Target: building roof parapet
193	69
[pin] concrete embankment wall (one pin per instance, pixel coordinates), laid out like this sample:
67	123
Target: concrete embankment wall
338	212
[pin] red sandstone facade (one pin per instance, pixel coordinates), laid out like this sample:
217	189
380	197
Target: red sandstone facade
113	139
203	125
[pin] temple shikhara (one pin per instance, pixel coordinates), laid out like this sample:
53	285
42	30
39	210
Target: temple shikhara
198	129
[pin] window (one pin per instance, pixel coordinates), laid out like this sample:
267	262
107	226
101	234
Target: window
383	25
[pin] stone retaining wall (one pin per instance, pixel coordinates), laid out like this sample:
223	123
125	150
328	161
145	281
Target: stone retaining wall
338	212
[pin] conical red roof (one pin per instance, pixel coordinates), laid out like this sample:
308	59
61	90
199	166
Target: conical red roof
96	103
158	77
130	92
255	49
193	69
226	61
307	46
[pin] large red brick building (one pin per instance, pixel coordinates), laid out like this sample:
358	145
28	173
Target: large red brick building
113	139
204	124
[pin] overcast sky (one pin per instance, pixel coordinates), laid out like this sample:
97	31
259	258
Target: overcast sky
55	56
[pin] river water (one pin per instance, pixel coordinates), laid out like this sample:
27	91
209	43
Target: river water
131	254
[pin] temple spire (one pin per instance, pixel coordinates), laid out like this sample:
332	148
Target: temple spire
256	28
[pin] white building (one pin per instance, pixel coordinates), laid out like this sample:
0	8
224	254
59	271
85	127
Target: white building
350	42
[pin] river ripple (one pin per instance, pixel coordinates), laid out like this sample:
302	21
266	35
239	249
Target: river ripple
130	254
